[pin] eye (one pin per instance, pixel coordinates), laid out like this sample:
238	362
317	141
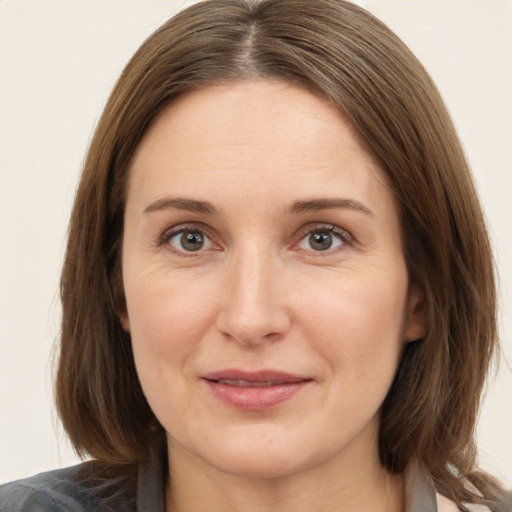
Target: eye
323	239
189	240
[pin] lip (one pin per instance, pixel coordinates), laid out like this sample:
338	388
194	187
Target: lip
254	391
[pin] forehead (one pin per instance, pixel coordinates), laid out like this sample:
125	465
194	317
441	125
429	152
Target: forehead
223	112
258	135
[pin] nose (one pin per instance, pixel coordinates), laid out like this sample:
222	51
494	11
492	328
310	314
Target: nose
254	305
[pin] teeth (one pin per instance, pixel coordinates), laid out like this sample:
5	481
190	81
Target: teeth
249	384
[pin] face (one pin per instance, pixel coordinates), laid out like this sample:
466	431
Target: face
267	295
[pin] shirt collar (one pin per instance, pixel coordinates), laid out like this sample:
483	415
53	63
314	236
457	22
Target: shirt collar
420	494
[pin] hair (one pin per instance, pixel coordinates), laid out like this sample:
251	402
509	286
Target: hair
354	61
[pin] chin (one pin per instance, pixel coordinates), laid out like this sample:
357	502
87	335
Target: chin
267	456
259	455
262	465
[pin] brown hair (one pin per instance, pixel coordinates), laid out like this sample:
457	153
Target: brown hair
339	50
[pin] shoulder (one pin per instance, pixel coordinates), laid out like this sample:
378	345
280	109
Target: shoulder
81	488
446	505
421	495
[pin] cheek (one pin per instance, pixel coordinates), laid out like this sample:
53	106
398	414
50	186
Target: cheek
161	305
167	318
358	325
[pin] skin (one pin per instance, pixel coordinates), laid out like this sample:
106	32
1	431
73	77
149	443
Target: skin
258	295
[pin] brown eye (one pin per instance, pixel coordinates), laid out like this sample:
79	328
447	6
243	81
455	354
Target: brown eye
190	241
321	240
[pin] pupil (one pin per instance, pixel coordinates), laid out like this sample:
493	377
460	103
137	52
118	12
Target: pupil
320	241
192	241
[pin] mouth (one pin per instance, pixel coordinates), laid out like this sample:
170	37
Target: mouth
250	384
254	391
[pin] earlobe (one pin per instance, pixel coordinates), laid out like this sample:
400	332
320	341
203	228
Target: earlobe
415	326
125	322
119	297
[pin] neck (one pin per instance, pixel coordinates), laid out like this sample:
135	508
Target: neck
194	487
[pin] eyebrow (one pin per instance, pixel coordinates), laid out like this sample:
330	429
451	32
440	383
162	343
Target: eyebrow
315	205
178	203
207	208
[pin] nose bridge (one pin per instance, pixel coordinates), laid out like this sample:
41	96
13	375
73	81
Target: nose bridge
253	309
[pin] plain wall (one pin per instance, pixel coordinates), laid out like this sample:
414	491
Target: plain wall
58	62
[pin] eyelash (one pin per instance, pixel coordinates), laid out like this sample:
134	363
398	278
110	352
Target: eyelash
342	235
346	239
167	235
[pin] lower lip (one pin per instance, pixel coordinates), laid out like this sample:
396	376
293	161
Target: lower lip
256	398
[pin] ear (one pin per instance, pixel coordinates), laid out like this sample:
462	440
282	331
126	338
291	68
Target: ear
415	324
119	296
125	321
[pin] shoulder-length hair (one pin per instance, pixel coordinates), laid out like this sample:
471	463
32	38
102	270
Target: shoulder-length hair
342	52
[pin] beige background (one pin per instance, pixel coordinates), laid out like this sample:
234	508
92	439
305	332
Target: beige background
59	60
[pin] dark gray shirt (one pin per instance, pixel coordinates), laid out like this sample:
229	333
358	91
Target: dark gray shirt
90	487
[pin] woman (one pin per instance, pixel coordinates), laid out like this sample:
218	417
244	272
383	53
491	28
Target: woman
278	292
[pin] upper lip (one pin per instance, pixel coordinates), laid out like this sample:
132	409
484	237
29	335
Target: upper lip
257	376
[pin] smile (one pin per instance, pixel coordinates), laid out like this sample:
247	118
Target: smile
250	384
254	391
